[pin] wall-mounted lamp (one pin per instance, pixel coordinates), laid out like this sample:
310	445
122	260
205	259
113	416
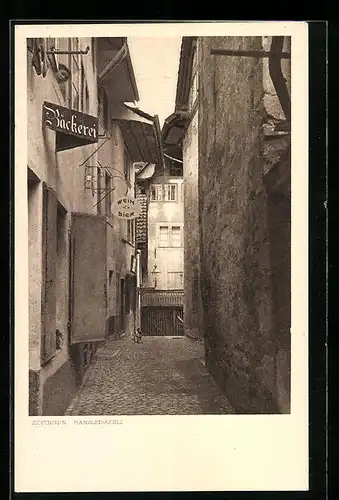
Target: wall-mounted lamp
153	272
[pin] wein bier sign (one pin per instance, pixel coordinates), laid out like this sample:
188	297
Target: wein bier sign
126	207
73	128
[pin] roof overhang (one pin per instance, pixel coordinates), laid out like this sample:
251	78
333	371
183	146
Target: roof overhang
141	133
146	172
175	125
115	69
173	132
188	45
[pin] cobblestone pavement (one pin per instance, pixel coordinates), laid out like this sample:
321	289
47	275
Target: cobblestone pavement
159	376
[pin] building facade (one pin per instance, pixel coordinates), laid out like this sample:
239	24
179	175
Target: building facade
82	257
166	233
180	134
161	242
236	153
161	227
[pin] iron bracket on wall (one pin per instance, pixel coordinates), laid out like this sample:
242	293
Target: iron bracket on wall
65	52
250	53
274	55
95	173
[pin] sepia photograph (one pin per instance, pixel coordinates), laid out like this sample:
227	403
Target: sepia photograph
159	206
161	280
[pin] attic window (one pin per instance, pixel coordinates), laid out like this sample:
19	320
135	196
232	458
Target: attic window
175	169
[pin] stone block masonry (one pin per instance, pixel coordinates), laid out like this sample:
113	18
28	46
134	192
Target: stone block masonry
235	262
192	299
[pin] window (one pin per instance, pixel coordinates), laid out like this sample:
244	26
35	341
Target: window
156	192
164	236
108	193
175	169
170	236
166	192
170	192
176	236
131	231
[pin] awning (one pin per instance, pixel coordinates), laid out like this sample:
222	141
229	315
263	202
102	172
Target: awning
141	133
115	70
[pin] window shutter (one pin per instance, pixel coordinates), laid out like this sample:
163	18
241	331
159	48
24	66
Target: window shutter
49	251
89	278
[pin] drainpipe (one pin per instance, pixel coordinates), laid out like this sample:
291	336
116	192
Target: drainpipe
138	285
277	77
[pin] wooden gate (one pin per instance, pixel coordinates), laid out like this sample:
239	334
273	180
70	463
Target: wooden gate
162	321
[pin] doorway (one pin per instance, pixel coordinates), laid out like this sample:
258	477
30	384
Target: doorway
162	321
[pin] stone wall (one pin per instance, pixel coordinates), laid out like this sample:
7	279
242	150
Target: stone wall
193	310
235	260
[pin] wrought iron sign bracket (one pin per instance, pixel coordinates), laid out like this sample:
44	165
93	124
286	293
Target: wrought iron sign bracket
274	55
65	52
95	173
110	190
250	53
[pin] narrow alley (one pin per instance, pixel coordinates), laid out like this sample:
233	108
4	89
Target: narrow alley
170	215
158	254
159	376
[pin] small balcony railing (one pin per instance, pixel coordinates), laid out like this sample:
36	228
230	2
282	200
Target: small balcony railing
165	298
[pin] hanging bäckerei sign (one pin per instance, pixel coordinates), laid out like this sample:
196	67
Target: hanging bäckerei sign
73	128
126	208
